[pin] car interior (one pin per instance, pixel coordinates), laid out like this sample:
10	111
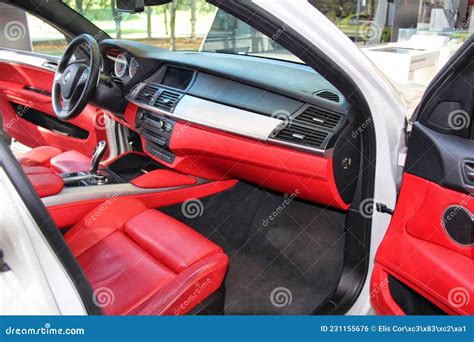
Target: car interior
194	182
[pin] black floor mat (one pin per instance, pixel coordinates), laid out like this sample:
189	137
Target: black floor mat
286	256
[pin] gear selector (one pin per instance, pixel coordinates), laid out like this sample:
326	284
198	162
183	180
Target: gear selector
99	152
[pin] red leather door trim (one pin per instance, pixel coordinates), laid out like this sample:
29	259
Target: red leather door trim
418	252
13	79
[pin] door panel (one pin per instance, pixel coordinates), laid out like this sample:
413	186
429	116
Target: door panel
27	82
425	263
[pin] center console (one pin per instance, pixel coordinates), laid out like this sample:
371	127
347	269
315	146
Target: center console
130	174
156	130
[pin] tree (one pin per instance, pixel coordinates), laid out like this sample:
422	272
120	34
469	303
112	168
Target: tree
117	19
172	7
193	19
79	6
149	12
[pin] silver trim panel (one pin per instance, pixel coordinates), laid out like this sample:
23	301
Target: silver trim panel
95	192
226	118
215	115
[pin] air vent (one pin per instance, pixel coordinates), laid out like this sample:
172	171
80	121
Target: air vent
117	81
319	117
328	95
299	135
147	93
167	100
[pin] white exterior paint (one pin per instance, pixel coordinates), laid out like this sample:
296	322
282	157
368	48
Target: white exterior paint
37	283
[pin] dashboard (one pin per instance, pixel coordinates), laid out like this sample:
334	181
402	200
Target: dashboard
269	102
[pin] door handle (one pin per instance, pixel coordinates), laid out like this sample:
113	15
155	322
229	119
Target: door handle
50	65
468	170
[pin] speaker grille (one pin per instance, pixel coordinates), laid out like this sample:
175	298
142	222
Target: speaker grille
458	223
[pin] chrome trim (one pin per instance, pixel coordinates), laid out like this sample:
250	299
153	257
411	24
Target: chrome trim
328	153
30	59
95	192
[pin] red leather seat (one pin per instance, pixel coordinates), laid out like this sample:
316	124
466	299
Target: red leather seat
44	180
53	157
143	262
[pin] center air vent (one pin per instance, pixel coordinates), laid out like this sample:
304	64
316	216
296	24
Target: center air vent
320	117
304	136
147	93
328	95
167	100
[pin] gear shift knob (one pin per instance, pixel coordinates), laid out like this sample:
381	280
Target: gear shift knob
97	156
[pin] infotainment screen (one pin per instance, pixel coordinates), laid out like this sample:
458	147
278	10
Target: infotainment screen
177	78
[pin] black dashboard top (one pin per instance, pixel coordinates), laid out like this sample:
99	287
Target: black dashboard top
298	83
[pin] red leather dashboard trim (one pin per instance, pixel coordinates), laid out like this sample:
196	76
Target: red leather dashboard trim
417	251
216	155
68	214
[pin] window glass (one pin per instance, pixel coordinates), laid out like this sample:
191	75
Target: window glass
409	41
22	31
179	25
182	25
45	38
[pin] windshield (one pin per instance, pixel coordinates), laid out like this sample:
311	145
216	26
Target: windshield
193	25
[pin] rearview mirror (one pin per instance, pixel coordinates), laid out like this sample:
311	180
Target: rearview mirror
135	6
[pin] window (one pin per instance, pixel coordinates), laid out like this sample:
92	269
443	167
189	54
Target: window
22	31
192	25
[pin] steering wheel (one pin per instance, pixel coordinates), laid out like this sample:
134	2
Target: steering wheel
75	81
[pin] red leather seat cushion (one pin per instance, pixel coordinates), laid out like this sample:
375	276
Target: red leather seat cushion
148	262
60	162
163	178
39	156
70	161
44	181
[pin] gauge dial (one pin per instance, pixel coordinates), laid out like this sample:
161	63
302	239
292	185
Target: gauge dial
132	69
121	64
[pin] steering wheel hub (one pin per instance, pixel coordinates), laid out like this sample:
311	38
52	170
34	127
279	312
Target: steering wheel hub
75	80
